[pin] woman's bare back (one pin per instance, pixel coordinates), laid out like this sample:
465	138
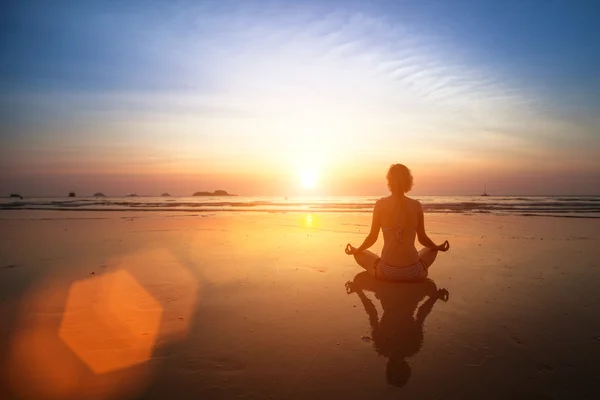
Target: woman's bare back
399	219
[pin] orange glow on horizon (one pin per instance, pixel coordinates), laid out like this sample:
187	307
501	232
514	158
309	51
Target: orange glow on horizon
299	174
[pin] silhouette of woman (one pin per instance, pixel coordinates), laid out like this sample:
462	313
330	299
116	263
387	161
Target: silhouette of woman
399	333
401	220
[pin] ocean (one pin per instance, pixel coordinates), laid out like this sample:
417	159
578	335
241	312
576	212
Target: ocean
555	206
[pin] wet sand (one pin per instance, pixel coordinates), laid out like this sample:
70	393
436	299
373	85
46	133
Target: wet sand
256	305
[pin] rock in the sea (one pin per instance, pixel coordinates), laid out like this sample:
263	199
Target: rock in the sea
99	194
165	195
132	195
16	195
215	193
71	194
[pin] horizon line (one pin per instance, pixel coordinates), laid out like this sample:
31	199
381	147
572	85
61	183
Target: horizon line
133	195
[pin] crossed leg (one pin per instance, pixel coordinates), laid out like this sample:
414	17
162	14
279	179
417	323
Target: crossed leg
427	256
368	260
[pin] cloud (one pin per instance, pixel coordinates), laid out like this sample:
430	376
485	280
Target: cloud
249	82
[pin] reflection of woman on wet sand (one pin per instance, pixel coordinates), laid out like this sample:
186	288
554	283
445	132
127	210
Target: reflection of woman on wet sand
400	218
399	332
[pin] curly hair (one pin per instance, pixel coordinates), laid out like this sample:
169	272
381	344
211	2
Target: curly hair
399	179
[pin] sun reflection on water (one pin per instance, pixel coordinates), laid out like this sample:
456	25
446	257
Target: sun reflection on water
311	221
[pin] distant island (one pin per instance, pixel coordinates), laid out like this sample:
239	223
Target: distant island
71	194
99	194
165	195
215	193
16	195
132	195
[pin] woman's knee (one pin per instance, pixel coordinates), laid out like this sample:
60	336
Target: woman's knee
428	256
366	259
358	257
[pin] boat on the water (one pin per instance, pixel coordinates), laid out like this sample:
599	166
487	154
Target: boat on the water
485	193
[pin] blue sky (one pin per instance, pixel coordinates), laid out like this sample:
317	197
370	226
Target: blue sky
193	93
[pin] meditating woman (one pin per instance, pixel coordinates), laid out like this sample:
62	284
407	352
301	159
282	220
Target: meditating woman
400	218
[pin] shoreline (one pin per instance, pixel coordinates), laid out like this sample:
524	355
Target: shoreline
565	207
207	212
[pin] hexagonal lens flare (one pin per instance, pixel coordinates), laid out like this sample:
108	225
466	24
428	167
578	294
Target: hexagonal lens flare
110	321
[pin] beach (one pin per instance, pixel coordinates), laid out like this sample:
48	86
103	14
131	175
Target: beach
187	189
255	305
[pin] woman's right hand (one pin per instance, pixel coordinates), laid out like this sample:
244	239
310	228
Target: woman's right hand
350	250
443	294
444	246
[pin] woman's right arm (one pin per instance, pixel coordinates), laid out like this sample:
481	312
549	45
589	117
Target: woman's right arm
422	236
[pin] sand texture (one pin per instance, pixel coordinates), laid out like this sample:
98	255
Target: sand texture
112	305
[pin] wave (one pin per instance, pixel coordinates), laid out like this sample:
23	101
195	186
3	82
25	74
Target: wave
563	206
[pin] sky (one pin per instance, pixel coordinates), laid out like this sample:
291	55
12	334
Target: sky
299	98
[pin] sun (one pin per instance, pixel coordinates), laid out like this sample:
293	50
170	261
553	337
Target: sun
309	178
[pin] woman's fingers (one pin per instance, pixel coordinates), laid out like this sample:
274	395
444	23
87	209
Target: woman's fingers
348	249
349	287
444	246
443	294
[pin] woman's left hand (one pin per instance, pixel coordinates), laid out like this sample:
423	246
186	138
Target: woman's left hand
350	250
